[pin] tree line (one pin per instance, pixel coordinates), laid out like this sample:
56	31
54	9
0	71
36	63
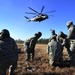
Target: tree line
43	41
40	41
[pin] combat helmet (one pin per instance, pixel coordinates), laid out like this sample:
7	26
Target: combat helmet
69	23
39	34
61	34
4	34
35	34
53	31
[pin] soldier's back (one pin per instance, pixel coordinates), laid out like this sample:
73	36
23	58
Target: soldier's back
7	54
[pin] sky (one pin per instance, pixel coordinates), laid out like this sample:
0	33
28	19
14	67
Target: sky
12	14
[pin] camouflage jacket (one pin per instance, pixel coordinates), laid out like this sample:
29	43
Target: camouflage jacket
72	46
8	50
71	32
54	50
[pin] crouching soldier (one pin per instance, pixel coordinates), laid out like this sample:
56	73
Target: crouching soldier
30	46
54	51
65	42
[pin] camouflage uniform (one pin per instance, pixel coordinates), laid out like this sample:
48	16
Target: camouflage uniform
65	42
29	47
72	49
27	50
71	30
53	33
71	36
8	52
54	51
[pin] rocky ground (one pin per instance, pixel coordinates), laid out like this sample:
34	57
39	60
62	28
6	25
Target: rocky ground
40	65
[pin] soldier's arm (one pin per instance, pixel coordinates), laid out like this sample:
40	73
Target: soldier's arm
15	47
47	51
64	42
31	43
49	39
48	48
25	47
72	46
70	33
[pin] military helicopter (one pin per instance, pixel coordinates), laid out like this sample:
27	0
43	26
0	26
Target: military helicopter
38	16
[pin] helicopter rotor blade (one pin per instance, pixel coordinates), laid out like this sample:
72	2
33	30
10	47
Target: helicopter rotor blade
29	13
51	11
42	9
33	10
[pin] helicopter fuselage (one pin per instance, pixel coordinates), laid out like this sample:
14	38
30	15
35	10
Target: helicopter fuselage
39	17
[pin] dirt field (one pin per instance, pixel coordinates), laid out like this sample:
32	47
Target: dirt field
40	64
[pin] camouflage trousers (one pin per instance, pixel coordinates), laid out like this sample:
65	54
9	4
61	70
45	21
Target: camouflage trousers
6	61
30	55
73	59
4	67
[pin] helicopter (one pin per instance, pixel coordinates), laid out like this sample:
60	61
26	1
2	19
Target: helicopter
39	16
